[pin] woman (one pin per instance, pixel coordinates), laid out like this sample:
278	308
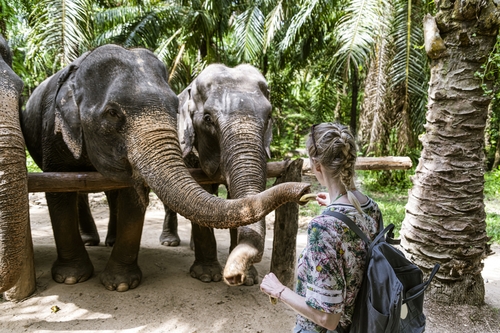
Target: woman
331	266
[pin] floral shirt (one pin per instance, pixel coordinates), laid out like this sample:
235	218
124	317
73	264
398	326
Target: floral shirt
331	266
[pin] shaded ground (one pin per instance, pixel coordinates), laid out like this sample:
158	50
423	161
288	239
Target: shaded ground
169	300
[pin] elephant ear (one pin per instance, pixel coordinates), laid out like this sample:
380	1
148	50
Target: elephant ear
185	122
67	112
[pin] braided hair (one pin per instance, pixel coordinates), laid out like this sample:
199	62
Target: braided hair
333	146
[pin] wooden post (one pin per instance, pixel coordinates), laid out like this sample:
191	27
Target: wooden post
286	224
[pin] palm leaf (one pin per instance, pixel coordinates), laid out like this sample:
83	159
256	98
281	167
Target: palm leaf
249	34
63	30
364	21
298	21
408	71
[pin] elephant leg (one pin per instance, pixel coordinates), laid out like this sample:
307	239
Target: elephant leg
122	271
169	235
206	266
239	267
73	263
112	197
88	229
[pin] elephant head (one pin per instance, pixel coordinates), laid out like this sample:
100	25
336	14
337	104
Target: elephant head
14	207
117	114
226	115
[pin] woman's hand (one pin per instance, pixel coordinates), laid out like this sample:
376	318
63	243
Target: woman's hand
272	286
323	198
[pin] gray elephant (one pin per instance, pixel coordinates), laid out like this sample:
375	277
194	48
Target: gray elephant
112	111
225	119
14	206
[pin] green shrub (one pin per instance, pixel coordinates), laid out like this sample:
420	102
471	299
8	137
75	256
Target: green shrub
30	164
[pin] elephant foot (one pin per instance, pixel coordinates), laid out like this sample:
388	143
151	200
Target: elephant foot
206	272
121	277
72	272
110	240
248	278
90	239
239	269
168	238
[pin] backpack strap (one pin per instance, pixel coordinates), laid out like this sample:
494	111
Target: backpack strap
349	223
422	287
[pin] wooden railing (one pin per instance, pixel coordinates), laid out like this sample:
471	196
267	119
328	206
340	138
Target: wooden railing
95	182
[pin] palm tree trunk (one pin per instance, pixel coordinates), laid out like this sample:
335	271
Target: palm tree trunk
445	216
354	101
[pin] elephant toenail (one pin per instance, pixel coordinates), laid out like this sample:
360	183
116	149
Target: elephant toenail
205	278
122	287
70	280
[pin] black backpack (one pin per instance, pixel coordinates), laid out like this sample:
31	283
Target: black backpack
391	298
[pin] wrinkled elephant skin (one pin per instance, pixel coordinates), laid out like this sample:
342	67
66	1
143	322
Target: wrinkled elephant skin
14	206
112	111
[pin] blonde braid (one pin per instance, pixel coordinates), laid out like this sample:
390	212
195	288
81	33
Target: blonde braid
347	169
336	151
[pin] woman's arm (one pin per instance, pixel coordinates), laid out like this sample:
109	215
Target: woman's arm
273	287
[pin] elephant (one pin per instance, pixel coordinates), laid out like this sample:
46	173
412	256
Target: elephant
112	111
14	205
225	120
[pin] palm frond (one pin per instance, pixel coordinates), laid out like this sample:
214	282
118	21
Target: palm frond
357	31
274	22
249	34
298	21
408	70
63	30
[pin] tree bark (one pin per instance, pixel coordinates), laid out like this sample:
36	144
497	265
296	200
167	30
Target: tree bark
354	101
286	224
445	216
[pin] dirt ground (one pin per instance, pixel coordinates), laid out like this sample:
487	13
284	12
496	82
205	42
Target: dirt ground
169	300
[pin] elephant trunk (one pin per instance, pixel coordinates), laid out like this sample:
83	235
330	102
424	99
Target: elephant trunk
245	169
14	205
244	157
155	155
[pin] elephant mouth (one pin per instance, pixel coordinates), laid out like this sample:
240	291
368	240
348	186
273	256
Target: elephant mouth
122	172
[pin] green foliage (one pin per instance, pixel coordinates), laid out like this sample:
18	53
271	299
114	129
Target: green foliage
490	82
492	184
493	227
390	190
492	204
30	164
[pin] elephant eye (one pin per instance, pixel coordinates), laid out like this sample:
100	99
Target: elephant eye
207	118
112	113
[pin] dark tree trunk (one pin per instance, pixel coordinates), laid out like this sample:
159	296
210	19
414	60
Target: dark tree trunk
445	216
